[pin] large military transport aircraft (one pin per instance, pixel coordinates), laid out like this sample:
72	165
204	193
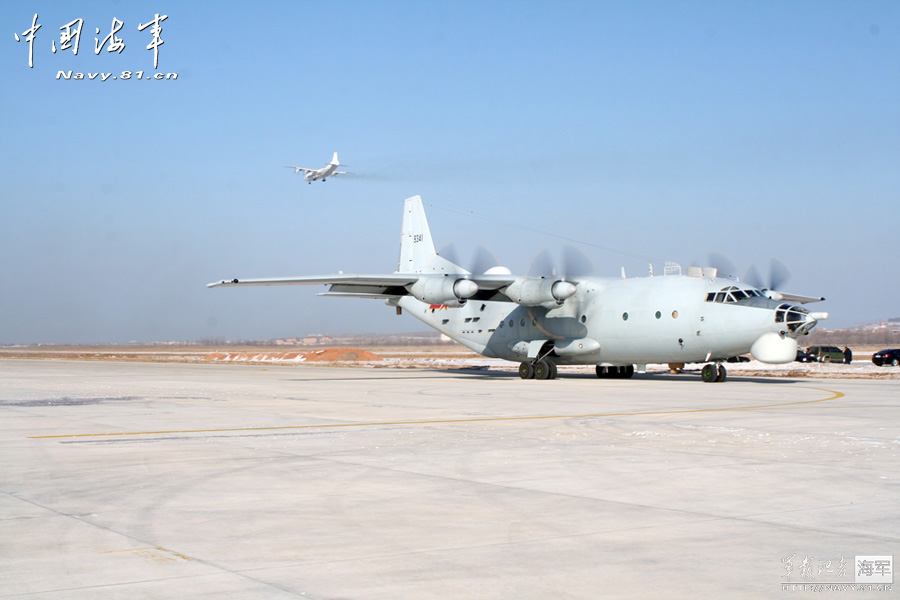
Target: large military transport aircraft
542	321
323	173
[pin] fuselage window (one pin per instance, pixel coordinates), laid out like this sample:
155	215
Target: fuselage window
720	297
711	297
522	322
674	314
624	316
740	294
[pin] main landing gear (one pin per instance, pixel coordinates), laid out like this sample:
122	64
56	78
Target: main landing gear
713	372
539	369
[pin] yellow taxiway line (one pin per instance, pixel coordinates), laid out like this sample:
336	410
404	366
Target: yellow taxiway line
834	396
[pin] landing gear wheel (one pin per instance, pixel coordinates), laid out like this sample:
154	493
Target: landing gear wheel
541	370
709	373
721	373
602	372
526	371
553	369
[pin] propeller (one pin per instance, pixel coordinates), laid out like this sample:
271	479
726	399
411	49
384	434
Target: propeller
723	265
482	259
778	274
574	265
542	265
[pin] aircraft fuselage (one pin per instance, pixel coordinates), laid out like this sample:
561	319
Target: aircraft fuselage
643	320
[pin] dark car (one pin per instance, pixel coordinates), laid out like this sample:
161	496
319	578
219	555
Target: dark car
825	354
887	357
802	356
738	359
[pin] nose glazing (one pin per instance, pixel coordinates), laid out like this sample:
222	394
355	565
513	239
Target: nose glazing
797	320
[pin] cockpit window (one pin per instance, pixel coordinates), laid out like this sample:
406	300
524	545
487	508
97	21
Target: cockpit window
732	294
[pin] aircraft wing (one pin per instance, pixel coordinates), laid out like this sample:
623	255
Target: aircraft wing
392	280
297	169
391	285
799	299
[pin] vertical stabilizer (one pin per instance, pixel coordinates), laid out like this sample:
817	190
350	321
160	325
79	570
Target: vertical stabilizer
335	161
417	253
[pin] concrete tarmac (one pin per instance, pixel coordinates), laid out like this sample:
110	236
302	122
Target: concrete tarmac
142	480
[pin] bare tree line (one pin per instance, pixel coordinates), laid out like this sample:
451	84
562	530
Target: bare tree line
888	337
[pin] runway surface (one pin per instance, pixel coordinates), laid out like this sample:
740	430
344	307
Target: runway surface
134	480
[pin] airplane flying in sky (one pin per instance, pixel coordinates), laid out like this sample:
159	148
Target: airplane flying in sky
541	321
326	171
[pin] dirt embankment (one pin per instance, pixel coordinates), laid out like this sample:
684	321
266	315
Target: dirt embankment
325	355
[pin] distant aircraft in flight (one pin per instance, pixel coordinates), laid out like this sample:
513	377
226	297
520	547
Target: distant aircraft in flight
326	171
544	320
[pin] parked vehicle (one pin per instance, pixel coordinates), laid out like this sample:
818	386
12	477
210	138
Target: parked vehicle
825	354
887	357
802	356
738	359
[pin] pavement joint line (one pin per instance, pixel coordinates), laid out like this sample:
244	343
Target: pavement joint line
835	395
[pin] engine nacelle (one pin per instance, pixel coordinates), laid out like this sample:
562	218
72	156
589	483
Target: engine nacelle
540	292
444	290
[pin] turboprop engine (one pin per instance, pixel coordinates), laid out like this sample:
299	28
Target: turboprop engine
540	292
444	290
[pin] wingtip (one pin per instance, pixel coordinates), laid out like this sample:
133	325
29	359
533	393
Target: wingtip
220	283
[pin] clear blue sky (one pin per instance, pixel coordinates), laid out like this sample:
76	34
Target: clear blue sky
644	130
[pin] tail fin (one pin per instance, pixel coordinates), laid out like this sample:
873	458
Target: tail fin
417	253
335	161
